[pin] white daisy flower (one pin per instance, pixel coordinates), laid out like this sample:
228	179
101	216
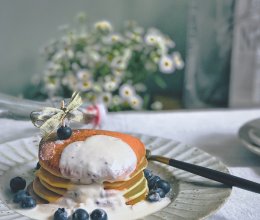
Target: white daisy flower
69	53
53	67
71	81
156	105
169	42
163	49
103	26
84	74
127	55
113	38
110	86
126	91
118	63
116	100
97	88
86	85
151	66
134	36
51	83
166	64
58	56
106	98
136	102
115	80
68	40
118	72
151	39
178	62
94	56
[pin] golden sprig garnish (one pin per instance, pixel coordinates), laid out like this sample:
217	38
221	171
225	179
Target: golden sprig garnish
48	119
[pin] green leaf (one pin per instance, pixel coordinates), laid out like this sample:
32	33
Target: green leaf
160	82
146	101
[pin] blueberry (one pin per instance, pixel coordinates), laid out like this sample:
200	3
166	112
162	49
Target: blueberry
17	183
64	132
20	195
28	202
80	214
38	166
152	182
148	174
153	197
60	214
98	214
159	191
164	185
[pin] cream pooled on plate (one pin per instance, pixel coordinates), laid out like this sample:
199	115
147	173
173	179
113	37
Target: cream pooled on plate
97	159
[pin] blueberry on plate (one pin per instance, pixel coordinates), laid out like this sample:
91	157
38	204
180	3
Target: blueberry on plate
152	182
159	191
148	174
80	214
64	132
153	197
28	202
17	183
164	185
61	214
38	166
98	214
20	195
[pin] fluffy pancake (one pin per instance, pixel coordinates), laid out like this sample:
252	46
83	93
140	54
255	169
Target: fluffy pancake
60	182
135	193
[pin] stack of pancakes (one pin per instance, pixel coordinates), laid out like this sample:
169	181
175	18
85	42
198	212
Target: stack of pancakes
50	185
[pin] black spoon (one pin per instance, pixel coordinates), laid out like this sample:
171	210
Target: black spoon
218	176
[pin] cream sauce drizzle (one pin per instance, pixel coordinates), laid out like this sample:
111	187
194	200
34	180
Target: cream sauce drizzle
97	159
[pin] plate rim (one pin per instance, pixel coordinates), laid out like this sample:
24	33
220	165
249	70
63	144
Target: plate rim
244	138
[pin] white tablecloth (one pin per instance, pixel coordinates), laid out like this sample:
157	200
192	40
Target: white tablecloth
212	131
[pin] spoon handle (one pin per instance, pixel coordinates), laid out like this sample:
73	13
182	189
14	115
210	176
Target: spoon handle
218	176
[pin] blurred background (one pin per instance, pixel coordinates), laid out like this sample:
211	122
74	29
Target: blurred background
218	41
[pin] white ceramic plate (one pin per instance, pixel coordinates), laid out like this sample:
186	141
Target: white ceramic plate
193	197
246	138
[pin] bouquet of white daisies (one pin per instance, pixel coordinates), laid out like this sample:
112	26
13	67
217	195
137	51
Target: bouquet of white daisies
108	66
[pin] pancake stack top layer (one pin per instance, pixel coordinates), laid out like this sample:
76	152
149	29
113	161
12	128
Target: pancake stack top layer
112	159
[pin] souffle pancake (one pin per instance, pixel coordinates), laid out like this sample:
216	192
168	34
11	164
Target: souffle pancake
88	158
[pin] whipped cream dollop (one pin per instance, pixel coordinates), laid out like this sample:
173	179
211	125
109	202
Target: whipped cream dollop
97	159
